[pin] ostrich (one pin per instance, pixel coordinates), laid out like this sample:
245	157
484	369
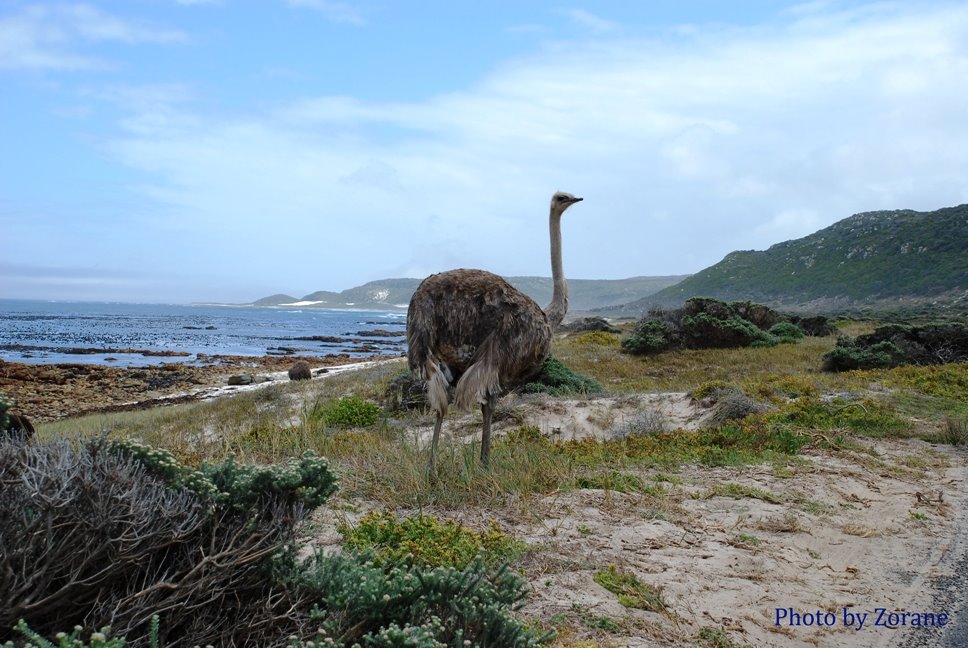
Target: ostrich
472	330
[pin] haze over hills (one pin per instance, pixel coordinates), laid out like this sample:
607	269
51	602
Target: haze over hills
583	294
881	259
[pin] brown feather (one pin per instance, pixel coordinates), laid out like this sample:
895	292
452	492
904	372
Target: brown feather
473	325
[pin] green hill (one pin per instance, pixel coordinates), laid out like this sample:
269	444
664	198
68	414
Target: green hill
273	300
883	259
584	294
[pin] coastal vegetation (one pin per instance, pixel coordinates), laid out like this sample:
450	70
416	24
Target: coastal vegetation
446	560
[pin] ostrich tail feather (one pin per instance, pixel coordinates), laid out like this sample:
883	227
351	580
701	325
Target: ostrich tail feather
481	381
437	383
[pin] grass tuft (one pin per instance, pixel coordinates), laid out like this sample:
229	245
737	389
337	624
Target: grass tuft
428	541
631	592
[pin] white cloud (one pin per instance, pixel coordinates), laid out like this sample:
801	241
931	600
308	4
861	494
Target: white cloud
737	138
48	36
590	21
333	10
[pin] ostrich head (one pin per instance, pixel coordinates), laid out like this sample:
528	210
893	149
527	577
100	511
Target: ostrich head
562	201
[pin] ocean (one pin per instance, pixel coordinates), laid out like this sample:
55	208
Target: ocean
143	334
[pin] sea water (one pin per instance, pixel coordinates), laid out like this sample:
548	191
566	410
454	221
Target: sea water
54	332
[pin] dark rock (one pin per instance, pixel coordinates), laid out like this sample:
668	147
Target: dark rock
241	379
283	350
300	370
380	333
588	324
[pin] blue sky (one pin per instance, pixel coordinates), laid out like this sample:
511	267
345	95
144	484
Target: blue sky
193	150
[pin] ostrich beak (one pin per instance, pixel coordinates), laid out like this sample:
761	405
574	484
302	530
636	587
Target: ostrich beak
575	199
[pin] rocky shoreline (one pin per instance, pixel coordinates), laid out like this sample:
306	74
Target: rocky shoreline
50	392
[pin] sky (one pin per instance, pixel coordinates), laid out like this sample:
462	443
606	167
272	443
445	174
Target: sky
225	150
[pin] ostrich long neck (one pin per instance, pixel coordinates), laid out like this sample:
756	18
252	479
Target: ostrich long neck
555	311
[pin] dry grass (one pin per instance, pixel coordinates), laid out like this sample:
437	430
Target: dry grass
385	464
686	369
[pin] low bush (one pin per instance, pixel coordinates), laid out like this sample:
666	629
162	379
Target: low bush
895	345
360	603
647	337
704	323
705	331
846	356
426	540
786	332
347	412
558	380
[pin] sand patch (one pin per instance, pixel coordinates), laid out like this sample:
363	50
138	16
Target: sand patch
753	553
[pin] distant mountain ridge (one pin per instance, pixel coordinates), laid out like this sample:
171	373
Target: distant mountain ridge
583	294
881	258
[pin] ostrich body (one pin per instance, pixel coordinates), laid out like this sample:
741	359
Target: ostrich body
472	330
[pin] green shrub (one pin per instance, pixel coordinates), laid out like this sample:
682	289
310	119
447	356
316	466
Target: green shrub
558	380
647	337
705	331
895	345
704	323
393	605
877	356
786	332
347	412
428	541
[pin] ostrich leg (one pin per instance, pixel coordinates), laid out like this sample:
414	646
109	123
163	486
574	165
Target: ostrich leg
486	410
438	423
